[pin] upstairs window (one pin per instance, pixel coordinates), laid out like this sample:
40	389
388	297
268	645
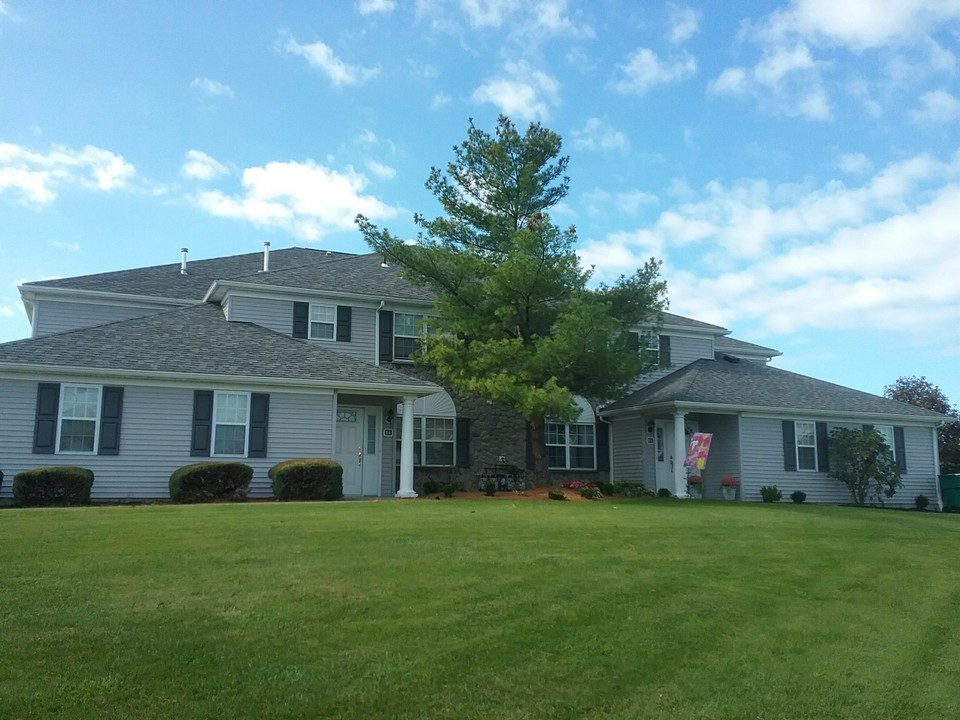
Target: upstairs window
406	335
323	322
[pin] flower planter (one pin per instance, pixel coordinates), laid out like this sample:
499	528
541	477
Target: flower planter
729	492
695	491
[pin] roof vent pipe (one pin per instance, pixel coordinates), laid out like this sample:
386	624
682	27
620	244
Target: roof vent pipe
266	257
183	261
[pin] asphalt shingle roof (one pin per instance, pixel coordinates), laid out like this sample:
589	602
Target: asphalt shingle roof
671	320
166	280
198	340
733	345
756	385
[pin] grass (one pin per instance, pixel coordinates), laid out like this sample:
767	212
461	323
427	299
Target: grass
479	609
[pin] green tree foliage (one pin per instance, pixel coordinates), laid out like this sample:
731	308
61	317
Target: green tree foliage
862	460
515	321
921	392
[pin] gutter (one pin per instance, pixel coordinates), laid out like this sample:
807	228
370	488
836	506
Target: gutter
214	294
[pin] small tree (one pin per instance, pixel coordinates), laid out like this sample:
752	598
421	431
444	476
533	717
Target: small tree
862	460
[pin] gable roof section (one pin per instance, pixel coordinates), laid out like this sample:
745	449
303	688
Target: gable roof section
732	345
197	341
167	282
679	322
735	385
362	275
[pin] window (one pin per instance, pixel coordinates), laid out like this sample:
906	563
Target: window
231	414
406	335
806	435
433	441
323	322
652	349
79	413
570	447
888	437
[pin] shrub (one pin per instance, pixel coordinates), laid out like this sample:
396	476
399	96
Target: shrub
861	460
449	489
209	481
53	486
556	494
921	501
771	493
625	488
605	487
591	492
798	496
307	479
490	488
430	486
664	493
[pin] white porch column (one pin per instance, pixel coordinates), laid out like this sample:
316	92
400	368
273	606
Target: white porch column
679	455
406	451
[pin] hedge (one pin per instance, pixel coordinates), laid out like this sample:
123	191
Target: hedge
210	481
307	479
41	486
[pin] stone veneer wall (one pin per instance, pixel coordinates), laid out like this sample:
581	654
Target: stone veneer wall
495	431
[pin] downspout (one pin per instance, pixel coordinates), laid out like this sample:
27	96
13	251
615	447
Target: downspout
936	461
376	335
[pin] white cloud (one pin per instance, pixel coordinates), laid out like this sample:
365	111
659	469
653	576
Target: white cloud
320	56
550	18
381	171
624	203
855	164
684	23
305	199
200	166
6	310
440	100
598	135
369	7
786	258
37	177
937	107
488	13
70	246
212	87
521	92
643	70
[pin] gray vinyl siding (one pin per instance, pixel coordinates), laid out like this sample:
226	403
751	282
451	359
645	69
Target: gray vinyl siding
683	351
628	439
277	315
155	439
762	442
53	316
724	456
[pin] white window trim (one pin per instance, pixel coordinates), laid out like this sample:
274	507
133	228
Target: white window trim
310	322
567	445
797	445
213	425
422	321
96	420
420	420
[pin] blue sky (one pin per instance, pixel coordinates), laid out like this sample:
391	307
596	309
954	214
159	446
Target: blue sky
795	165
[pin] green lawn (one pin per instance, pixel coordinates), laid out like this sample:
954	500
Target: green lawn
479	609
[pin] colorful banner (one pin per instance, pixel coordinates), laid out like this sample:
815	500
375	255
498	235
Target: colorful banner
698	451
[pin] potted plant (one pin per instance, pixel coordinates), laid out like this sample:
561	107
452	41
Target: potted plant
728	485
695	486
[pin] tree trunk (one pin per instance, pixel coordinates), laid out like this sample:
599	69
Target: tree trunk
538	448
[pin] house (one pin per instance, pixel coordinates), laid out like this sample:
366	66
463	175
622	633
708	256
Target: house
300	352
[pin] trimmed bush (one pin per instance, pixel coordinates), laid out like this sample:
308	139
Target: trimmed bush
53	486
556	494
627	489
798	496
664	493
210	481
771	493
921	501
307	479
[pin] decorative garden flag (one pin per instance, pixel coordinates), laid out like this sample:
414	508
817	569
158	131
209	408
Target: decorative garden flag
698	451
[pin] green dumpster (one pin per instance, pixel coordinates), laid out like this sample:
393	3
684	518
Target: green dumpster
950	492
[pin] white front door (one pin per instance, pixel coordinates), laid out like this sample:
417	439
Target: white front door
358	449
663	454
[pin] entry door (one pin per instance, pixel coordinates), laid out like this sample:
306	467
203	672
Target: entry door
663	453
358	449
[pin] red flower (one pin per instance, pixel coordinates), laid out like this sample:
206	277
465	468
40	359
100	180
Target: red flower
695	480
728	481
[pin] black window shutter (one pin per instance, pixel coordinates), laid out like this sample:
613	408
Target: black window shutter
259	413
344	319
202	423
110	414
665	351
823	455
463	442
789	446
633	341
301	319
45	423
529	458
386	336
899	448
603	446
